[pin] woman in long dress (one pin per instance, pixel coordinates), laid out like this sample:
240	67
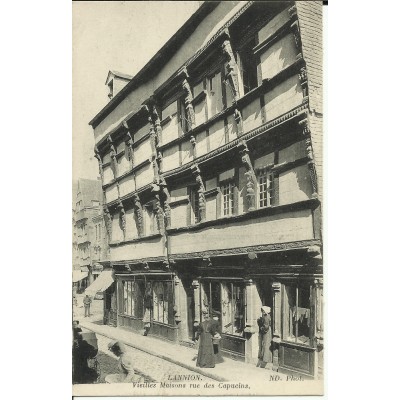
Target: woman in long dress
265	337
205	356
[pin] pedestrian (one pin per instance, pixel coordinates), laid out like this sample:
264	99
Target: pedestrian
86	302
264	337
205	332
215	330
148	304
126	370
82	351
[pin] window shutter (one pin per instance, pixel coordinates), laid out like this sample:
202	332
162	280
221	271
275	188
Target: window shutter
235	199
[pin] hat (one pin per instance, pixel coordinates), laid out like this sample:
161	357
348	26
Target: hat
115	345
215	313
266	309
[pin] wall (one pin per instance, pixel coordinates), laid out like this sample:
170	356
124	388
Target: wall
287	227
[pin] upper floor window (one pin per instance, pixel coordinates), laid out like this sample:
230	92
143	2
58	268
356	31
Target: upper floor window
194	203
266	189
214	91
227	193
248	66
182	117
150	220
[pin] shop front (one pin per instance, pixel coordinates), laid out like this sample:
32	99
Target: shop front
147	300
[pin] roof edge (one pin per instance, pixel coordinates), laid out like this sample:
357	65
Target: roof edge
179	37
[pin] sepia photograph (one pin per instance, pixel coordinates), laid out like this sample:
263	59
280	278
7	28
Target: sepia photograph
197	198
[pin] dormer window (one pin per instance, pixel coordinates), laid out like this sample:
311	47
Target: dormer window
116	81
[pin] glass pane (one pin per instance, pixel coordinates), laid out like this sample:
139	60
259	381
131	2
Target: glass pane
226	314
238	311
170	299
216	296
303	315
290	321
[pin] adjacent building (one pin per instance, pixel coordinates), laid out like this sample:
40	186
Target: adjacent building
211	166
90	245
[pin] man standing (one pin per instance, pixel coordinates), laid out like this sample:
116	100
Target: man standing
86	302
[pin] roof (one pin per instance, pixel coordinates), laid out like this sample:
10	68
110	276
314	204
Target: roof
118	75
90	189
158	60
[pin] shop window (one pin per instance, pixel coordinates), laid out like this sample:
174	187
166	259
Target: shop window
266	189
248	66
163	302
211	297
228	298
233	308
132	301
297	318
228	197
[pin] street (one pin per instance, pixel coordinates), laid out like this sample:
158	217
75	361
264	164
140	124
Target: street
151	368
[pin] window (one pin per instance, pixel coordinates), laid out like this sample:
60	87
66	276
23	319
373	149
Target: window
248	66
163	302
214	91
194	203
150	220
297	318
229	299
183	117
133	297
266	189
95	203
227	192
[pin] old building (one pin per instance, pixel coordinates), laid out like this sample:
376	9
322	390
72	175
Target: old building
211	164
90	244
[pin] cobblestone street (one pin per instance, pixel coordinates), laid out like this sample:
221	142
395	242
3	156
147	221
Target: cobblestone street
153	369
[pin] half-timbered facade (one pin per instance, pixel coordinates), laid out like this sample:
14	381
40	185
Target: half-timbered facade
210	159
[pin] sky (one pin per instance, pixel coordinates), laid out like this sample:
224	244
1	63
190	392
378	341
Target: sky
112	35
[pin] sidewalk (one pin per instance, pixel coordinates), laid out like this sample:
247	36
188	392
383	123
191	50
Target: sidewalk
185	357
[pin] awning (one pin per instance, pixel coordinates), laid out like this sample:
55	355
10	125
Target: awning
78	275
103	282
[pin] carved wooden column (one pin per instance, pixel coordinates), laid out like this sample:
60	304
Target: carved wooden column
155	189
98	156
157	126
232	70
200	190
107	221
165	201
305	126
251	179
319	327
113	154
122	216
139	214
188	104
193	142
297	38
177	299
239	121
129	145
197	305
276	323
304	83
